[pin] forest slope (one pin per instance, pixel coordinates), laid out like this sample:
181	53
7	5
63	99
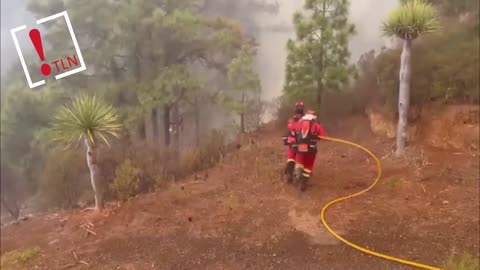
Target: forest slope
241	215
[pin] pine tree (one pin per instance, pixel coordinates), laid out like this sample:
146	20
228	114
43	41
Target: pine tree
318	60
244	97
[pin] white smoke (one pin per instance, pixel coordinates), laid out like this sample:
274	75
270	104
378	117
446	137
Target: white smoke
367	16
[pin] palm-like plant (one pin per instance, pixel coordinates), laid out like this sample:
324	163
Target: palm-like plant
407	22
87	118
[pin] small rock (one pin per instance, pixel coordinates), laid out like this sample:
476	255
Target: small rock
445	202
27	217
53	242
190	219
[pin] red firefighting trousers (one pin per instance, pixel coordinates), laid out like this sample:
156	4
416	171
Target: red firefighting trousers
290	154
305	161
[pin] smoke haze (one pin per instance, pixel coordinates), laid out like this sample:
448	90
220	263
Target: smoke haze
275	30
13	14
367	16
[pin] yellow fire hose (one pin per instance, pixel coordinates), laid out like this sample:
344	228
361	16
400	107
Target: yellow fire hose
362	249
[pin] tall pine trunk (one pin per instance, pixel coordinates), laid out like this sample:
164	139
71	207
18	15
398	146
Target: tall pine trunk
404	96
154	119
321	60
176	130
141	127
197	123
320	94
176	137
142	133
166	124
242	115
95	176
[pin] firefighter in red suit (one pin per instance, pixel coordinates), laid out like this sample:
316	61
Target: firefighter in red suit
289	140
307	133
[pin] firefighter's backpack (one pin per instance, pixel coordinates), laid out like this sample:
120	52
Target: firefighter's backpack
306	138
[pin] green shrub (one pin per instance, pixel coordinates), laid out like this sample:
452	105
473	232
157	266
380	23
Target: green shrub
214	149
126	182
232	202
334	105
203	157
12	190
463	262
191	160
147	159
157	167
139	167
444	69
13	259
64	179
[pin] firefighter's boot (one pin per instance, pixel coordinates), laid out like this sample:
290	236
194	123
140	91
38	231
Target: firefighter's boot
289	171
303	182
297	174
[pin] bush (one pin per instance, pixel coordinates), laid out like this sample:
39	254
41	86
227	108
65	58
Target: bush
127	181
254	113
156	166
13	191
144	157
204	156
191	160
214	148
64	179
139	167
17	258
232	202
464	262
446	74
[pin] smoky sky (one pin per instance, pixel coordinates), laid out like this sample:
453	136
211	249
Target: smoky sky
367	15
13	14
276	29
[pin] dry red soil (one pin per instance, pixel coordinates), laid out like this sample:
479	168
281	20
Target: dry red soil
242	215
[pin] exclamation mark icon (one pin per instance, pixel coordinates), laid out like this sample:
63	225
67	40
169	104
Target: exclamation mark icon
37	43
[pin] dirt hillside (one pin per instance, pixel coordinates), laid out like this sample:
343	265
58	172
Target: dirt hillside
242	215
